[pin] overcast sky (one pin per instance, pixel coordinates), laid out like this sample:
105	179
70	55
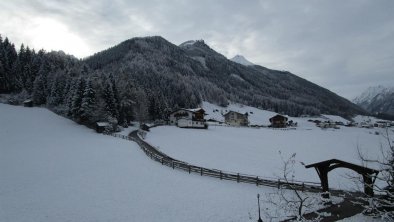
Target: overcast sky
345	46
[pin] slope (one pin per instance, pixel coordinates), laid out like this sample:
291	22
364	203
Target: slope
61	171
193	71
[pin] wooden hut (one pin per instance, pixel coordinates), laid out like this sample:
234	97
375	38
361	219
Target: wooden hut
100	126
278	121
28	103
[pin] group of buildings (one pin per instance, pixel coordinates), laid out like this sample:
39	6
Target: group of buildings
194	118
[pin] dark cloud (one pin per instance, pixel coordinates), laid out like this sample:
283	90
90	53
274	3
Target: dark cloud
345	46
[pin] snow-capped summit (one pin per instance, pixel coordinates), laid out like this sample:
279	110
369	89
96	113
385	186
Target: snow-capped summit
371	93
377	99
241	60
190	42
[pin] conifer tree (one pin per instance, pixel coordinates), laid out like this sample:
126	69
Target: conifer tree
110	102
39	89
88	106
77	99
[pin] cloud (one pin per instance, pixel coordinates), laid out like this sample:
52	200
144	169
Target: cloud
344	46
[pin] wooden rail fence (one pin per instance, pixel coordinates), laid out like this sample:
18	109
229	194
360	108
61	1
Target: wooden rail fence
168	161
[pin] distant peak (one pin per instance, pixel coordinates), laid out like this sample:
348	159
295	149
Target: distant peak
241	60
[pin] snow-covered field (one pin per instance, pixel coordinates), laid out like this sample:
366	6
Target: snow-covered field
52	169
256	151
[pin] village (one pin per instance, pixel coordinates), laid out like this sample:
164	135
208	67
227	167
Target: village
243	116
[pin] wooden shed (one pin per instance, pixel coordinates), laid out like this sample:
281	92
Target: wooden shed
28	103
278	121
100	126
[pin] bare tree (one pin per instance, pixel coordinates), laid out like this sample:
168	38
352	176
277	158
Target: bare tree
289	198
382	204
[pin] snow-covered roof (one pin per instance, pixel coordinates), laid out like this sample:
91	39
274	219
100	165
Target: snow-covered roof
27	101
335	118
102	123
195	110
279	115
189	110
231	111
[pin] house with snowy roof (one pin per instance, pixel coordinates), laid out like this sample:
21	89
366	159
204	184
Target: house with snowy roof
188	118
233	118
278	121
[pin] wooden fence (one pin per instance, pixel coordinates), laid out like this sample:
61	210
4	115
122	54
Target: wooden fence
168	161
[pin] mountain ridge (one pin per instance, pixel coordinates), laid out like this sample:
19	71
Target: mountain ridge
144	78
377	99
253	85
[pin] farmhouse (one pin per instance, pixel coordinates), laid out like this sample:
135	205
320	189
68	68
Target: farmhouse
278	121
188	118
233	118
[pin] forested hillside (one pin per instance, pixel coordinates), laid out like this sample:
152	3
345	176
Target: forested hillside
146	78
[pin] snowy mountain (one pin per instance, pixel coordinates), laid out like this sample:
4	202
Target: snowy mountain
187	74
241	60
377	99
145	78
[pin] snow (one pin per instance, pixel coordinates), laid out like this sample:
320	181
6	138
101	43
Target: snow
187	43
256	151
372	92
256	116
261	117
334	118
237	77
102	123
366	119
241	60
361	218
53	169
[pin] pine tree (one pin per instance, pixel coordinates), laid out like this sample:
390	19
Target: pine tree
77	99
127	103
39	95
40	85
110	102
72	88
116	94
141	106
8	56
57	92
88	106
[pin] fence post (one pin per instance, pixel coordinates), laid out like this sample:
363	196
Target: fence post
237	177
303	187
257	181
201	170
162	161
189	168
278	183
221	175
173	165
